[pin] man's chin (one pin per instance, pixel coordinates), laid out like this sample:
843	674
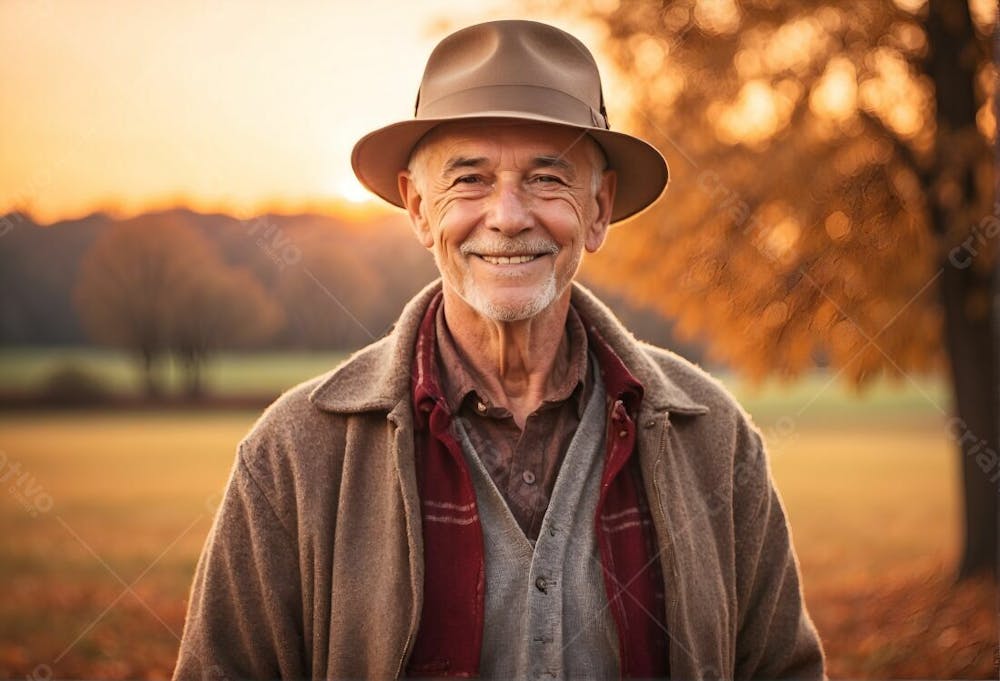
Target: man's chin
512	308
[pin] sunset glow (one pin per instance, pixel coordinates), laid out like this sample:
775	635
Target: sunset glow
237	106
252	106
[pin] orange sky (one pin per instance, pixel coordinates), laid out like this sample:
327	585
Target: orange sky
217	104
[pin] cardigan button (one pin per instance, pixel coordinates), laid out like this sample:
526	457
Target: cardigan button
528	477
541	585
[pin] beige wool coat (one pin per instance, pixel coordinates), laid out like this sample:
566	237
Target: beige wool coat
314	565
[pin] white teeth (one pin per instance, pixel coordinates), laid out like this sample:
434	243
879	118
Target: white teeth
504	260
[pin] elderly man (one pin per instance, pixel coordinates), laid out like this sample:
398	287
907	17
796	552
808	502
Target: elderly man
508	484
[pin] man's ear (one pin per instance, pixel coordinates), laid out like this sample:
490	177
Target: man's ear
605	198
413	203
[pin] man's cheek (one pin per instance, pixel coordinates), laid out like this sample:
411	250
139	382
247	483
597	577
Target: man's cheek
564	214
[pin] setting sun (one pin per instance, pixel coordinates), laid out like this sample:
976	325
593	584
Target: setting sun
349	189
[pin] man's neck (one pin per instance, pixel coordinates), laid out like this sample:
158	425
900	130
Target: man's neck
516	362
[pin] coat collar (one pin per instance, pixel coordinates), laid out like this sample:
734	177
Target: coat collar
377	377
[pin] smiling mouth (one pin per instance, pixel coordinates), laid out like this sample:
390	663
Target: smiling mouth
510	259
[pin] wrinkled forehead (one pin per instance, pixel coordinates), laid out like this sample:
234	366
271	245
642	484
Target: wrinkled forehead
496	139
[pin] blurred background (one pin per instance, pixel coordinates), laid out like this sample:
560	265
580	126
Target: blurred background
181	239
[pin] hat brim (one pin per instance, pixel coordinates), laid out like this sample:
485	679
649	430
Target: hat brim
641	169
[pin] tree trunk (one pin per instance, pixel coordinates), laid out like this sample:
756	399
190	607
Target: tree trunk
972	349
996	289
995	488
970	318
150	381
192	362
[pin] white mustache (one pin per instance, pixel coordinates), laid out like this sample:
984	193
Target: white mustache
494	246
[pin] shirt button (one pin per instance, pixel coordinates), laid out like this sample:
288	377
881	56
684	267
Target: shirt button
528	477
480	407
541	585
622	433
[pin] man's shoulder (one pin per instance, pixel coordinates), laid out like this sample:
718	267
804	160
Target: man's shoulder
293	442
296	405
726	428
682	386
291	418
356	385
701	386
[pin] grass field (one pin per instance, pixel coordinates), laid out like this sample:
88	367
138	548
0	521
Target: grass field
230	373
813	397
103	518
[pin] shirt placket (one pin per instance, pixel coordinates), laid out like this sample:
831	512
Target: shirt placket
526	476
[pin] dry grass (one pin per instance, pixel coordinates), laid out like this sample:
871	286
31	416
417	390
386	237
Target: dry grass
96	585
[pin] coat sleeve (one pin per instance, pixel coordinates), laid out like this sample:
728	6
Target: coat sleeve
244	615
776	638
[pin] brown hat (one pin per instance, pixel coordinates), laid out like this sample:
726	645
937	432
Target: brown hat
521	70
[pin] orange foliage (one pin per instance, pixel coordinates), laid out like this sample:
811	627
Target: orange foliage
796	230
920	628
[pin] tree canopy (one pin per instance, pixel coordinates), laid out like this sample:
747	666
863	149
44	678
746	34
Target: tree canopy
797	228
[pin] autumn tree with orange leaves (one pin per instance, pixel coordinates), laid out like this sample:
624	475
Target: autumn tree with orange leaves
831	195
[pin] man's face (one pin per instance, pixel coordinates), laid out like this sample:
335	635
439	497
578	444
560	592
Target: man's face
507	210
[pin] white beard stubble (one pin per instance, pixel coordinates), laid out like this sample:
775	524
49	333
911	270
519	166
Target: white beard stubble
480	301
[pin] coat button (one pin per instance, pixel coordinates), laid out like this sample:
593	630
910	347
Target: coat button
541	585
528	477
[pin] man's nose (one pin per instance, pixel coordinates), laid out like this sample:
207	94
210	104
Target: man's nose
509	211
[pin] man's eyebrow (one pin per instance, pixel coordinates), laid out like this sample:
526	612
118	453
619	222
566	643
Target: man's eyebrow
545	161
457	162
557	162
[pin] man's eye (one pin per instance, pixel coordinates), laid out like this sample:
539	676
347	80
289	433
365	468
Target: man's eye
468	179
547	179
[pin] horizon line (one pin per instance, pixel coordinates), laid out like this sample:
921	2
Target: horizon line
334	208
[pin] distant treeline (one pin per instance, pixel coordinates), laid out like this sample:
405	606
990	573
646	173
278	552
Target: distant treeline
335	284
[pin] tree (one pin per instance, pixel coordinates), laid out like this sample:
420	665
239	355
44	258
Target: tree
126	280
831	170
217	307
971	327
155	285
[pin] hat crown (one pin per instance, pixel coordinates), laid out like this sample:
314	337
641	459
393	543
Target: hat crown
512	66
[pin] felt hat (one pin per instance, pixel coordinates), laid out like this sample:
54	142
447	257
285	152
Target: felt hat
521	70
